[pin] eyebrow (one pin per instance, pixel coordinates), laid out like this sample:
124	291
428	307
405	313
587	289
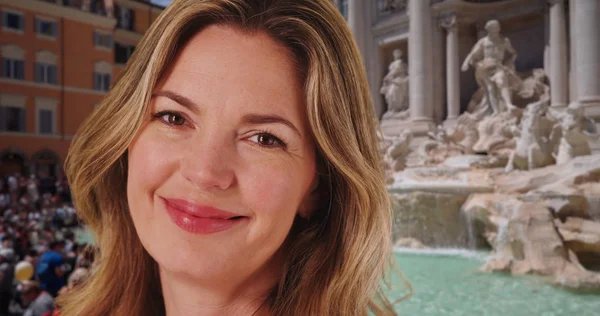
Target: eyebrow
187	103
265	119
248	118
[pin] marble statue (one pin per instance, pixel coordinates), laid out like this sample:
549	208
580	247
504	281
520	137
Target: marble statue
572	133
534	88
395	88
533	144
465	133
396	153
441	145
494	60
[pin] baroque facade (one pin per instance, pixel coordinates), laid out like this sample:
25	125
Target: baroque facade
559	37
59	57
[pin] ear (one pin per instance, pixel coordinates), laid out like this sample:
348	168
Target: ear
309	204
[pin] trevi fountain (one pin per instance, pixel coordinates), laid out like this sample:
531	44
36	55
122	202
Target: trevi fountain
490	140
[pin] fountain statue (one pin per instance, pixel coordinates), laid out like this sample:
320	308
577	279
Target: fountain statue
395	153
572	133
395	88
533	145
494	71
442	144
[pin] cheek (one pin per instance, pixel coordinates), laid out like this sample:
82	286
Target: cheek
148	166
275	190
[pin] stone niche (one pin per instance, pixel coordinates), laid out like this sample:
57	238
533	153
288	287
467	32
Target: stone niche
386	53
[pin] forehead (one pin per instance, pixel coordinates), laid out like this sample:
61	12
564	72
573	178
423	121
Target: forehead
222	60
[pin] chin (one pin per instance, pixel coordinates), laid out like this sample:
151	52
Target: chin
196	257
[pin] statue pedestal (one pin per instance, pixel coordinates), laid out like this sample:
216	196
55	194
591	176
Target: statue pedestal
450	122
592	108
418	127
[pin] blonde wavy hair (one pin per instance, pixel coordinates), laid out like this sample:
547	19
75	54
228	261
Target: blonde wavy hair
337	261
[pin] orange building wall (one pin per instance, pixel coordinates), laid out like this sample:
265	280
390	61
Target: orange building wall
81	54
76	64
79	106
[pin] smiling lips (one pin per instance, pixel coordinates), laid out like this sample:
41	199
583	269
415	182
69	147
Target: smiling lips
198	219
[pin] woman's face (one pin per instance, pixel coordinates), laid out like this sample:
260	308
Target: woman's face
224	160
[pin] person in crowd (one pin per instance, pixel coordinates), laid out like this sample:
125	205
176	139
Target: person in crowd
77	277
50	269
7	276
7	242
37	301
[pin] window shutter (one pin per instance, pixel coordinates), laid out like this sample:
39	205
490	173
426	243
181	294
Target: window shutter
50	122
106	82
21	22
22	120
132	19
96	81
19	69
52	74
5	68
45	119
38	72
96	39
3	118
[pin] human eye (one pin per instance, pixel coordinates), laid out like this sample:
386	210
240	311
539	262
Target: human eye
170	118
267	140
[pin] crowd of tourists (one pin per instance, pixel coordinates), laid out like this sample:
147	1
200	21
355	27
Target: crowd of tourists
42	253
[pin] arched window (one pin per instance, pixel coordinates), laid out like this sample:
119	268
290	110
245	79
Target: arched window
46	70
13	62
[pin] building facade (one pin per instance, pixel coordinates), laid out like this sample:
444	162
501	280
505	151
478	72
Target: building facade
559	36
59	57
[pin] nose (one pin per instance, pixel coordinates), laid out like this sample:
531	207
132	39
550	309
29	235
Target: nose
208	163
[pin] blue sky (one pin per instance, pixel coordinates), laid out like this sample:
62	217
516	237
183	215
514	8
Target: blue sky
162	2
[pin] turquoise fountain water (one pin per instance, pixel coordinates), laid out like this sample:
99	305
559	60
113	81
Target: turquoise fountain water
449	283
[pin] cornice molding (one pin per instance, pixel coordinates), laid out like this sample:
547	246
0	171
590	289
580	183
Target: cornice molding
127	35
51	87
58	10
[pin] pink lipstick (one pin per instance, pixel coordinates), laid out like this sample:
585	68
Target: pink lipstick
199	219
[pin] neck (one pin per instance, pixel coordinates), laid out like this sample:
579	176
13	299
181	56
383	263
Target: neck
184	295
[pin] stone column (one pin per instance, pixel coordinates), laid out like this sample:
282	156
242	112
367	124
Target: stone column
452	68
572	53
587	51
419	65
559	85
356	21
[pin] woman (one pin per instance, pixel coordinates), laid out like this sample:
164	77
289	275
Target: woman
233	169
